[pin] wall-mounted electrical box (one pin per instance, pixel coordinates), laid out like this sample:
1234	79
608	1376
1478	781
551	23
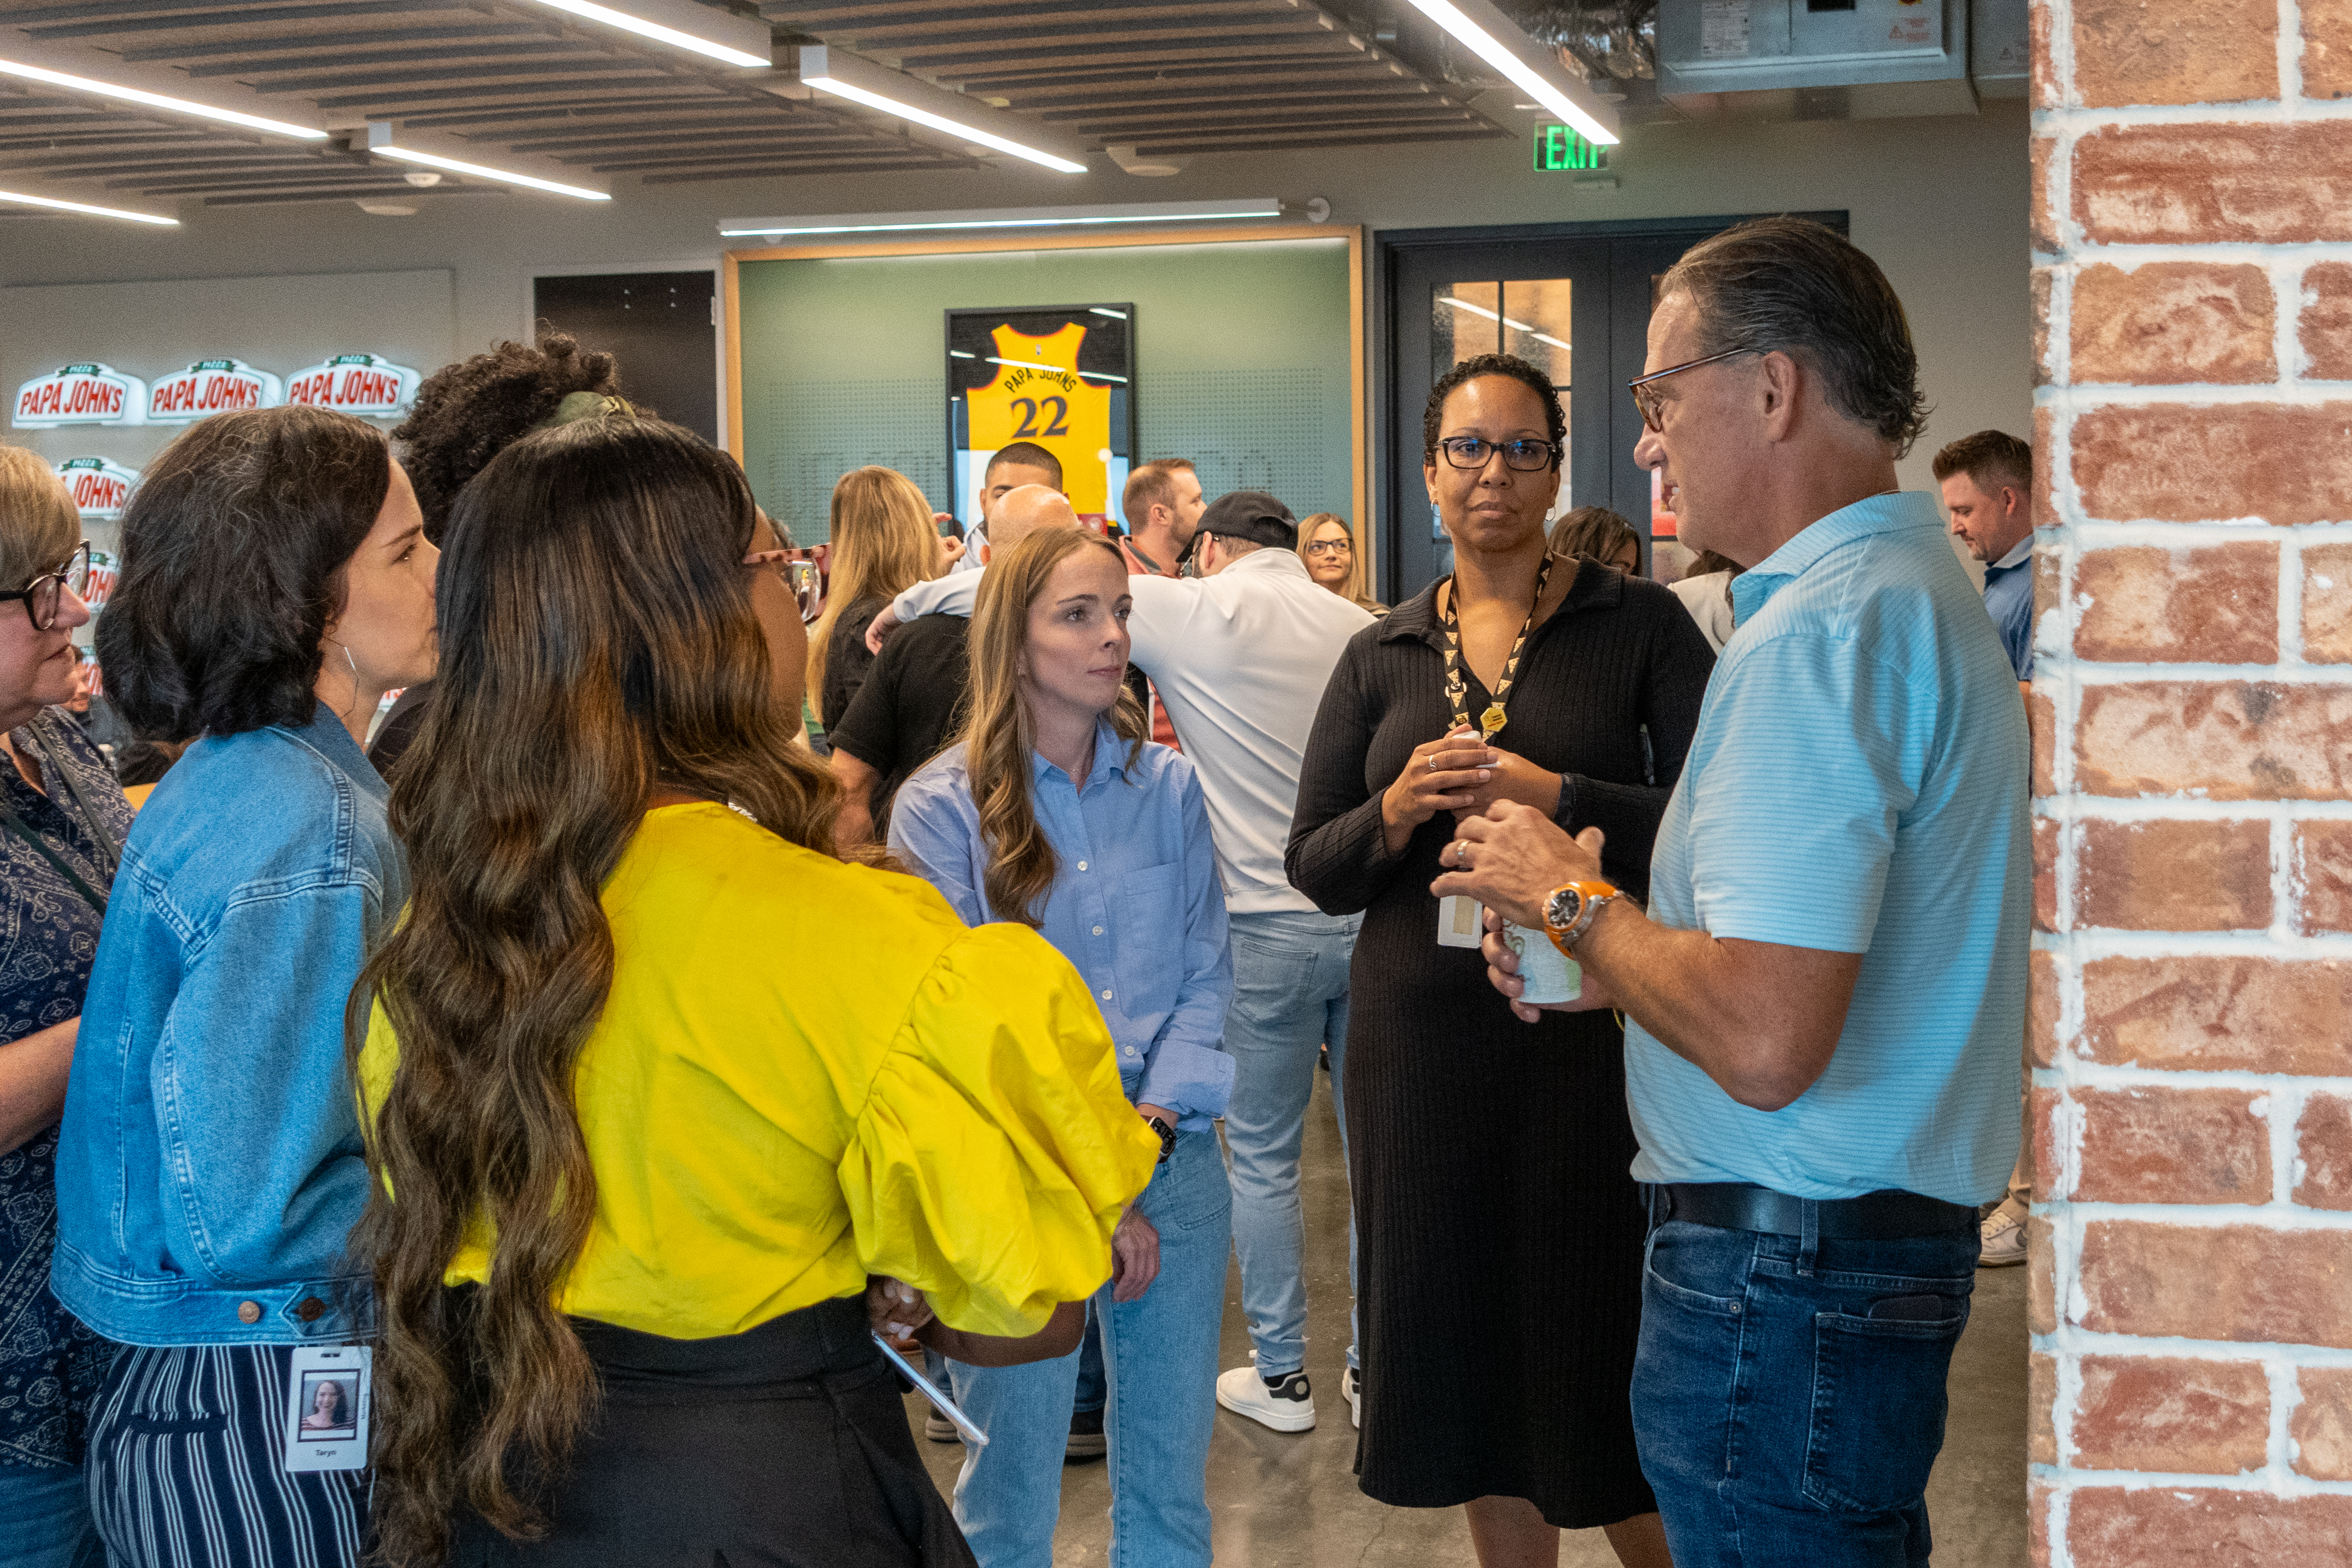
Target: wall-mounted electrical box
1816	58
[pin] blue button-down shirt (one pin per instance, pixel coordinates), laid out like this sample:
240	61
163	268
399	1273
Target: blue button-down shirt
2008	600
1135	906
1857	785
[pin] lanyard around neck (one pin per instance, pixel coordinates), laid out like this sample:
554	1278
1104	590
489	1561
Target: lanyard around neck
109	854
1457	691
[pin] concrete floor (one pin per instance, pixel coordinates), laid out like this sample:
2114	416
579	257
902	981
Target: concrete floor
1291	1502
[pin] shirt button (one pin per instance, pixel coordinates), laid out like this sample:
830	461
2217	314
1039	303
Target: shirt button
1099	930
248	1312
1106	995
1131	1050
310	1310
1082	865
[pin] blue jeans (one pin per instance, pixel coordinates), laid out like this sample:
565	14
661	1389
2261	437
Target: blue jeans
1161	1355
1787	1408
47	1511
1290	996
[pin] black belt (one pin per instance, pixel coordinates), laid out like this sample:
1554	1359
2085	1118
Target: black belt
1874	1216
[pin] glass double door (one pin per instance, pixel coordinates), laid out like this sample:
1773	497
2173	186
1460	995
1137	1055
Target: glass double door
1574	300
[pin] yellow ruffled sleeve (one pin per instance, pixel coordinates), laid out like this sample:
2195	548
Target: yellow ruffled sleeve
996	1150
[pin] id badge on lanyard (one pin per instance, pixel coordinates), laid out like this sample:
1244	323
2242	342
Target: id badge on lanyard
329	1391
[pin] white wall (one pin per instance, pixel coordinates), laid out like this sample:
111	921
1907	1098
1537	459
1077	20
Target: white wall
1941	203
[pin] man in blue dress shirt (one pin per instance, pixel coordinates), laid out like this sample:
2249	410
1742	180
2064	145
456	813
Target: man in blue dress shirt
1988	484
1824	1000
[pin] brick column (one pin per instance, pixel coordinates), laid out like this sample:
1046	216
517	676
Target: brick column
2191	1245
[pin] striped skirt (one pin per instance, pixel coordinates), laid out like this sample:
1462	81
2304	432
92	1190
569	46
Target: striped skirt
187	1467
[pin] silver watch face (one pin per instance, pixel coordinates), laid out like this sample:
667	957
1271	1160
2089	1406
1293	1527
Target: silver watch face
1560	911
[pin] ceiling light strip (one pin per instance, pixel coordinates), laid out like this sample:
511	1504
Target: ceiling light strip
158	100
55	204
1008	217
483	172
1482	28
659	34
1481	311
855	94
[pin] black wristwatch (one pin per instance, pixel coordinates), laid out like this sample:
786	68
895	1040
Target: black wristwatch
1167	1136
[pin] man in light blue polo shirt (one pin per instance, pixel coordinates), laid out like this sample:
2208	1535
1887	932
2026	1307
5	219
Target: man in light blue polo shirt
1825	999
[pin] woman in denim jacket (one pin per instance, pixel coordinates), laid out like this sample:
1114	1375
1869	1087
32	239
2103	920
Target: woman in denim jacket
276	583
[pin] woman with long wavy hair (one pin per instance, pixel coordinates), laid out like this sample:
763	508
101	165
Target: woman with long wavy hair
658	1090
1056	814
884	542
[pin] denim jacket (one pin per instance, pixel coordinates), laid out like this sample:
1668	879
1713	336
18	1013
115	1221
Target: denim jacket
210	1167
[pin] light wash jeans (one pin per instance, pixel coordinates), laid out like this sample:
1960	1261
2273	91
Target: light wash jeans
1290	996
1160	1354
44	1519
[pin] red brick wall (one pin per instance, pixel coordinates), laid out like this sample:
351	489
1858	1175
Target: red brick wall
2191	1274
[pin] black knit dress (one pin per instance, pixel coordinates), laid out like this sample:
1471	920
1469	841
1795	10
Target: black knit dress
1501	1237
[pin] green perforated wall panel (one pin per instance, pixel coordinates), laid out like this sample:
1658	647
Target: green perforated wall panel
1241	364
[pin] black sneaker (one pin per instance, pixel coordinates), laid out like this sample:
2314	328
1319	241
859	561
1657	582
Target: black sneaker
1086	1439
938	1427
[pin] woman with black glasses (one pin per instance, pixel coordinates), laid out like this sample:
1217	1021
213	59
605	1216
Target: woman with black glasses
62	820
1501	1237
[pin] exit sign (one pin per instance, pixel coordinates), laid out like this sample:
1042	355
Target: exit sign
1560	148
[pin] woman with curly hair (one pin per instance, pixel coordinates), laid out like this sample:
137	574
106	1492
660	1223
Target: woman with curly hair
464	415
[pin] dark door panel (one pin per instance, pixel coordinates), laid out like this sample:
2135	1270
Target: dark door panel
657	325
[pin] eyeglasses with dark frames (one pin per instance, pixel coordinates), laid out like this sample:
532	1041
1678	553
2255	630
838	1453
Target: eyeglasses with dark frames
41	595
1652	411
800	575
1331	547
1525	455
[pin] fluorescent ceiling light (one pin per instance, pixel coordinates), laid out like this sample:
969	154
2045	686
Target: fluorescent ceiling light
158	100
1480	27
1481	311
940	122
481	172
659	34
1006	217
82	208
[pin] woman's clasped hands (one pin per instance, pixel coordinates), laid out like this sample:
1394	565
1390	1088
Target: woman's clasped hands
1464	773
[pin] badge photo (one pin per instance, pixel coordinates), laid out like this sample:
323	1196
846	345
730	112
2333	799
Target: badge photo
327	1402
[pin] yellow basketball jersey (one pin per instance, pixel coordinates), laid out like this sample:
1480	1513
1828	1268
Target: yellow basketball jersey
1039	396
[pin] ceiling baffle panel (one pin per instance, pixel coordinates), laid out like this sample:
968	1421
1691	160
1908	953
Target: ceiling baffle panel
513	82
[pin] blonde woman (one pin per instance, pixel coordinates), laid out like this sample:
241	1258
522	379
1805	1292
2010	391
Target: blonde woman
1055	813
1328	545
882	541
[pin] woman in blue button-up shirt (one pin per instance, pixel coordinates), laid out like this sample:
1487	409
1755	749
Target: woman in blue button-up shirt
1055	812
276	583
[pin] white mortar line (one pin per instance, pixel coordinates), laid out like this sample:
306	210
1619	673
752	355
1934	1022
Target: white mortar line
2084	397
2159	116
2078	1341
2289	64
2092	1076
2200	808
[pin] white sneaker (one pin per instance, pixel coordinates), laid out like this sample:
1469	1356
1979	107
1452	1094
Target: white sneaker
1285	1407
1354	1389
2002	1235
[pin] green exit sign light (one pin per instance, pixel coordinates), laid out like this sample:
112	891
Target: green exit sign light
1558	148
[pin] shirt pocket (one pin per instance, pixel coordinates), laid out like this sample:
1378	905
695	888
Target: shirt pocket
1148	939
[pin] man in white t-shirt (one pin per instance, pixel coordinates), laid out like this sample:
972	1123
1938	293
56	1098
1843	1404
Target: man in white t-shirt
1240	655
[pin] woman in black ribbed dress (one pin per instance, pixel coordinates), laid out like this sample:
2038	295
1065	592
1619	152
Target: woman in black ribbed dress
1500	1231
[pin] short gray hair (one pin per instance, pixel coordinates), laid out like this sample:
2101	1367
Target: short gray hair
1792	284
39	524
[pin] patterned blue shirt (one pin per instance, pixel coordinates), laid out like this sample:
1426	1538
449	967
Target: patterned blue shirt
1857	785
50	1366
2008	600
1136	905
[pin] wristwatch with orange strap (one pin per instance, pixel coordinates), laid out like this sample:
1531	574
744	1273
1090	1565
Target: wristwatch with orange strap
1572	908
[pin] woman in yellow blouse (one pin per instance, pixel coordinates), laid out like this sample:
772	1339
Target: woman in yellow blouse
662	1097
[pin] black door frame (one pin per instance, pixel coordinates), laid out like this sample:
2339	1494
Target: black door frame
1602	423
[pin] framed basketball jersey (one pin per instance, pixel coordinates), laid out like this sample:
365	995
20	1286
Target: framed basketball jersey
1060	377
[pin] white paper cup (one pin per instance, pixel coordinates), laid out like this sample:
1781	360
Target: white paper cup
1551	976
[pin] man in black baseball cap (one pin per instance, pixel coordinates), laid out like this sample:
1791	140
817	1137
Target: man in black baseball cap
1251	515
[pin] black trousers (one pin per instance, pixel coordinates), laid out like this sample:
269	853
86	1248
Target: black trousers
783	1447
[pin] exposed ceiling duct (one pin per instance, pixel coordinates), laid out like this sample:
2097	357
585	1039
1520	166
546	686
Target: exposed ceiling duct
1605	41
